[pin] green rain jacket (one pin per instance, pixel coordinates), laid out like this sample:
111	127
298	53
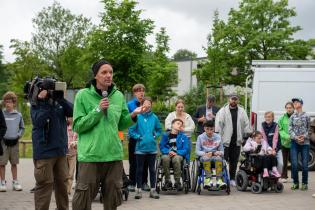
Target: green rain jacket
283	124
98	139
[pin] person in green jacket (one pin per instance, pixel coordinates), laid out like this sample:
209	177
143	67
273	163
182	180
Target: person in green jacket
100	111
283	124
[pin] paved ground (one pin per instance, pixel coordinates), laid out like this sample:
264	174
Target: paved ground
287	200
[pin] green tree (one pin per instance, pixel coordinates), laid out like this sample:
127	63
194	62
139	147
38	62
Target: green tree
59	39
258	29
182	54
4	75
121	39
162	72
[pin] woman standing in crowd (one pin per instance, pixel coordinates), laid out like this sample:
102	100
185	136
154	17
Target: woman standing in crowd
283	124
179	113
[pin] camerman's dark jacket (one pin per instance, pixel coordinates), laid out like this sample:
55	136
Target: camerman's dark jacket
3	129
49	134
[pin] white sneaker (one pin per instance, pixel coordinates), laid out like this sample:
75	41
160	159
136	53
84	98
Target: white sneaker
16	185
232	183
3	186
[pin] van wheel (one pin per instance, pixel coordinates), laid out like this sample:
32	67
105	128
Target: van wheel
311	160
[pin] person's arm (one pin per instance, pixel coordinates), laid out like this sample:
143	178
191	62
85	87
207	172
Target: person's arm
67	107
40	114
3	126
158	128
248	146
189	125
219	122
82	120
199	151
163	145
308	127
168	122
126	119
284	135
184	150
21	128
133	132
246	124
221	148
291	129
275	139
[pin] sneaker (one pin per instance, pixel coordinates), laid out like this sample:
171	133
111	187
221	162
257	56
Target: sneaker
207	183
32	190
3	186
304	187
295	187
221	184
146	187
16	185
131	188
232	183
283	180
138	194
154	194
275	173
178	186
265	174
168	185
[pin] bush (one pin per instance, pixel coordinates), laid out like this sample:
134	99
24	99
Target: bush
194	98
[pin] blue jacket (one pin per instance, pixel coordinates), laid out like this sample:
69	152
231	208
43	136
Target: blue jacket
182	144
145	132
49	133
133	104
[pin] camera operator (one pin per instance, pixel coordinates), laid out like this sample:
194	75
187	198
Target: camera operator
49	136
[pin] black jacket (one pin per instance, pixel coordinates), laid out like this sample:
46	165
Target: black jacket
201	111
3	129
49	134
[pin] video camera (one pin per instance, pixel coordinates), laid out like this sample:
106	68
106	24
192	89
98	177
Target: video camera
55	89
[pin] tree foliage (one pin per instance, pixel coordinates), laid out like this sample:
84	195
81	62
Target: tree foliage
183	54
4	75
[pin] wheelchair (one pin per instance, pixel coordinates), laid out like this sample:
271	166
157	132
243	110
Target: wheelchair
198	176
250	175
160	179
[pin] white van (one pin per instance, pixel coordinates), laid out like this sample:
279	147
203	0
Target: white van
276	82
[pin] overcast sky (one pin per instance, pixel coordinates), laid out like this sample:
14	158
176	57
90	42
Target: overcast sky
188	22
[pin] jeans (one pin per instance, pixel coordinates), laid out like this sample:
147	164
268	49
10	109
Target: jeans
303	151
141	160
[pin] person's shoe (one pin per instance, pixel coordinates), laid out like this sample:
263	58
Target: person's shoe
16	185
138	194
265	174
145	187
154	194
178	186
168	185
295	186
275	173
304	187
221	184
283	180
207	183
232	183
3	186
32	190
131	188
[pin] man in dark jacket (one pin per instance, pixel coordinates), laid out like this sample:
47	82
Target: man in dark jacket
204	113
49	136
3	129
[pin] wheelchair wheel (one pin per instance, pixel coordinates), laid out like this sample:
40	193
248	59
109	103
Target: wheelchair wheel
194	176
241	180
279	187
256	188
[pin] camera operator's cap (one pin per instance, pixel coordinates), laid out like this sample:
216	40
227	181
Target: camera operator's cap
234	96
297	99
97	65
211	98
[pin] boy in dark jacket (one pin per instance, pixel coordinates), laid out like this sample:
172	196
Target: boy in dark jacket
174	147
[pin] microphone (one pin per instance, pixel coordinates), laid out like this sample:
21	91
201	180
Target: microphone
105	94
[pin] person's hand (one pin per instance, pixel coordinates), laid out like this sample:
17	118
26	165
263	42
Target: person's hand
209	154
172	154
104	104
202	119
43	94
210	115
140	109
216	153
300	139
273	152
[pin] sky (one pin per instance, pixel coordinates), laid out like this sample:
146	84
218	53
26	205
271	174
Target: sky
188	22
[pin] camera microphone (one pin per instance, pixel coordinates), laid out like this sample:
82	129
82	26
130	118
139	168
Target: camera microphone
105	94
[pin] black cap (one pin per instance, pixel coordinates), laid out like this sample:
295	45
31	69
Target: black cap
234	95
97	65
297	99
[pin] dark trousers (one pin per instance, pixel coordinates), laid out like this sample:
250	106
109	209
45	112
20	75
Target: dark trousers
150	159
231	155
91	176
296	150
49	173
285	155
265	161
133	164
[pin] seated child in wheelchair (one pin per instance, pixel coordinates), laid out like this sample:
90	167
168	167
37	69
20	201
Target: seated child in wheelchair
209	149
174	147
265	156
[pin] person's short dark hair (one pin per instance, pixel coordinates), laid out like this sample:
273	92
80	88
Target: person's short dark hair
289	103
256	133
138	87
177	119
209	124
211	98
147	99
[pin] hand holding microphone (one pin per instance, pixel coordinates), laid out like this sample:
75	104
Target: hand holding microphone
104	103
